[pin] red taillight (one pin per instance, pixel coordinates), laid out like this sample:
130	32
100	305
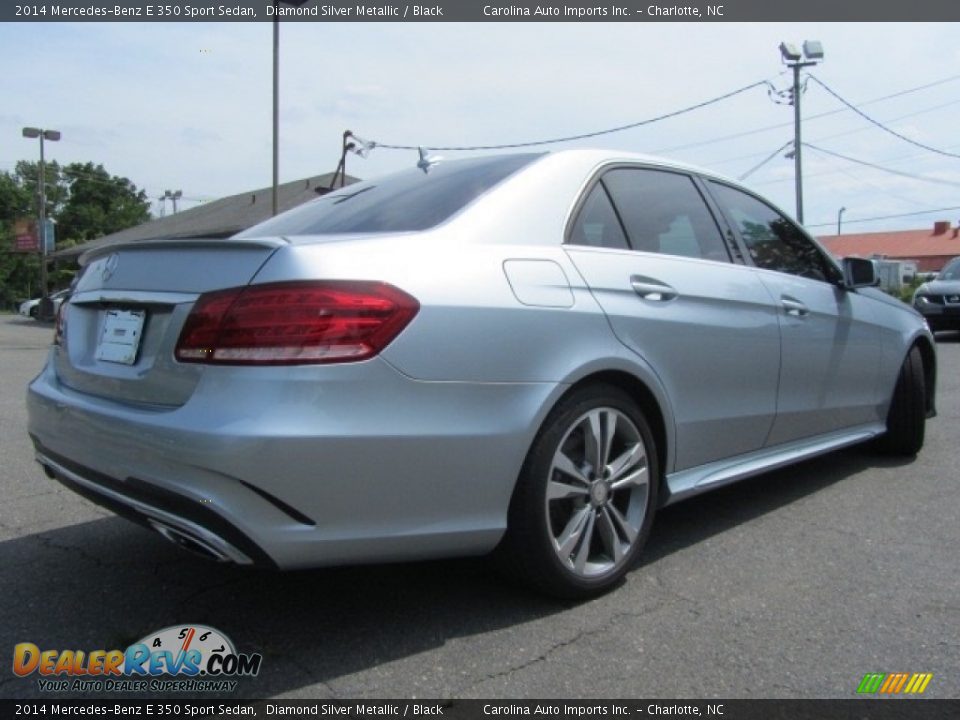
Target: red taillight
294	323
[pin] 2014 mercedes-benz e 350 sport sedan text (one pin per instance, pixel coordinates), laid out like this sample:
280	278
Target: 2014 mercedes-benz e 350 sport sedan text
521	354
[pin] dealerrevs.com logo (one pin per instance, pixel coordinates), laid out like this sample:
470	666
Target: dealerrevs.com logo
180	658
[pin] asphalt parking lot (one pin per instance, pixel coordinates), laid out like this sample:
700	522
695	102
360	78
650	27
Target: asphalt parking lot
793	584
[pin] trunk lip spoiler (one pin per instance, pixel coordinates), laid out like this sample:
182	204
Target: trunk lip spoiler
173	243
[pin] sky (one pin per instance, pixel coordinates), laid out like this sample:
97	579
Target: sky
188	105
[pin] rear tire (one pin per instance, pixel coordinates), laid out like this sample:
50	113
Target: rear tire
34	312
907	417
586	496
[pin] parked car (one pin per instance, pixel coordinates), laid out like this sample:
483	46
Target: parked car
524	354
938	300
31	308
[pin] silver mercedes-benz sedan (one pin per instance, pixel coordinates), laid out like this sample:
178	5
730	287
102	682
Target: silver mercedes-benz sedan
526	354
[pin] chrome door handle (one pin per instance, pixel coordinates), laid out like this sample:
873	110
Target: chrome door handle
794	308
651	289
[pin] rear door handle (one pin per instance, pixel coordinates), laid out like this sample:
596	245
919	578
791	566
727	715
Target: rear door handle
794	307
652	289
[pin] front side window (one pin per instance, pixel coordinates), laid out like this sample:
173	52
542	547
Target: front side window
663	212
774	243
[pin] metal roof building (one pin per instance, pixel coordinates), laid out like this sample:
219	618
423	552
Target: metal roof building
215	219
930	248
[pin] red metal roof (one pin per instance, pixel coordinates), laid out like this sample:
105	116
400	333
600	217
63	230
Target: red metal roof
941	240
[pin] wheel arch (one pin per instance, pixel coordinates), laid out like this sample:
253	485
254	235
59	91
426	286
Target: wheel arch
929	356
646	400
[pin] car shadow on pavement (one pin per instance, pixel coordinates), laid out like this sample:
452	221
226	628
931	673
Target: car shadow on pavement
105	584
693	521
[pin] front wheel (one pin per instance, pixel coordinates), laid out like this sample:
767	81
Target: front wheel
586	496
906	419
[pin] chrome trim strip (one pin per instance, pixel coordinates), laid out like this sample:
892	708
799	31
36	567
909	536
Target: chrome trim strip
134	297
198	532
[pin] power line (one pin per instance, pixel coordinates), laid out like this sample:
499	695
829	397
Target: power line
885	217
583	136
892	120
32	182
912	176
747	133
837	135
763	162
93	177
898	158
878	188
880	125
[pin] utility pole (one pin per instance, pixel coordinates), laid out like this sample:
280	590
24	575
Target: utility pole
276	96
813	53
52	136
276	106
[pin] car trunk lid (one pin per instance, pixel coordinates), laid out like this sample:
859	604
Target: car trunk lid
125	314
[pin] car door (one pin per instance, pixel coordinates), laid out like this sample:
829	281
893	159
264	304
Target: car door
830	336
654	257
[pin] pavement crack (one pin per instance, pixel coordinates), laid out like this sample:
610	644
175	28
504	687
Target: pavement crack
50	544
613	620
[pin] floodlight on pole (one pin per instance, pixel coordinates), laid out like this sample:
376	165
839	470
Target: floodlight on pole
52	136
173	196
789	52
791	56
813	50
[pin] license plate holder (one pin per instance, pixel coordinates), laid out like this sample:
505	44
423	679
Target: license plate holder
120	339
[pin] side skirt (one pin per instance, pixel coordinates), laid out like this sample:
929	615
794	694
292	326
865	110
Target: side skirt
687	483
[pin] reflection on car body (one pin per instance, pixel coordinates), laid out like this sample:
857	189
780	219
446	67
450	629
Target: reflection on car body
31	308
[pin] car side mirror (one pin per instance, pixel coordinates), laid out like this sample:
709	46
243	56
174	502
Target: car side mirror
859	272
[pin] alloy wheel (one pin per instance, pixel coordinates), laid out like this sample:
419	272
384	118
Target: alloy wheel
597	492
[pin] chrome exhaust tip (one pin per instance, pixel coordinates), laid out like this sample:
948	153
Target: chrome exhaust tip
188	542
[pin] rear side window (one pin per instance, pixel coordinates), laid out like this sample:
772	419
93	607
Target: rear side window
663	212
597	224
774	243
407	201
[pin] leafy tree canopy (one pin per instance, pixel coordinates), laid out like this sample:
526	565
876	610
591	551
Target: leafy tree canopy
86	201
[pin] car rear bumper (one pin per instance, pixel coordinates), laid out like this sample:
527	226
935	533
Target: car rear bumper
323	465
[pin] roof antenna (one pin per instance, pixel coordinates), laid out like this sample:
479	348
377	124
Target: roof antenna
427	160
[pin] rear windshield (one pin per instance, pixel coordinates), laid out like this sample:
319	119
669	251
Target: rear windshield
407	201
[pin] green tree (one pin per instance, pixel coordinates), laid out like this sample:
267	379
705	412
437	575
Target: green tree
19	272
85	201
98	204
